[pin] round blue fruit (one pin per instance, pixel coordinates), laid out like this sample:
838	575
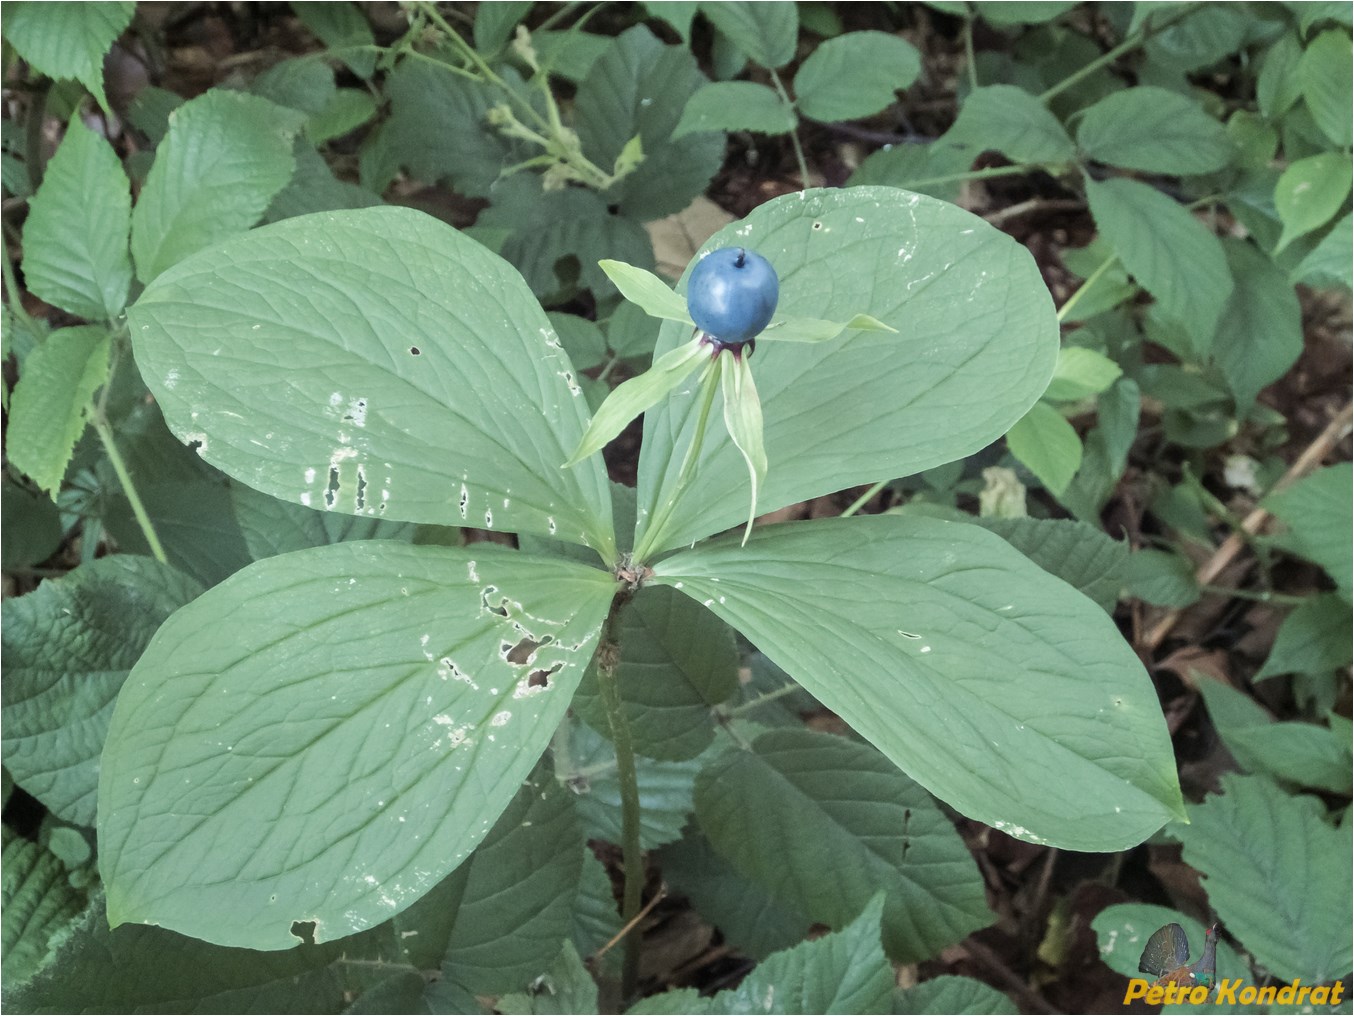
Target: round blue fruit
732	294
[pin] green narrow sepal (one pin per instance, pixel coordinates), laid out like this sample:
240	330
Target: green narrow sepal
743	417
635	396
645	289
816	330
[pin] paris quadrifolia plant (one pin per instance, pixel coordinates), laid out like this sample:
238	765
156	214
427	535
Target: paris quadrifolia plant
318	745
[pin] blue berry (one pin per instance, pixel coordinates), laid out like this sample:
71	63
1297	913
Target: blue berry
732	294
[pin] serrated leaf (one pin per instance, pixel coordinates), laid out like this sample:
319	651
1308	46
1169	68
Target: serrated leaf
1046	444
677	662
962	661
976	328
735	106
1261	850
499	918
1317	511
1172	254
852	814
1327	83
424	729
854	75
569	54
225	156
565	987
445	398
1161	578
766	30
68	40
1010	120
1329	261
494	24
1122	932
1156	130
37	902
51	401
349	109
75	237
638	87
1259	335
30	527
1309	193
1018	12
68	646
953	995
300	84
1080	373
1301	753
341	26
1313	639
1080	554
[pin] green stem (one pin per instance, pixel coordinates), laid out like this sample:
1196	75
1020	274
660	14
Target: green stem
968	54
1085	287
129	488
632	852
16	304
1128	45
986	174
759	701
794	134
33	124
1282	599
864	499
655	532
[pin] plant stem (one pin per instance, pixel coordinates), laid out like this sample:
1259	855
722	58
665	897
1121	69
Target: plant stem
16	304
632	853
864	499
129	488
760	700
984	174
1128	45
1284	599
1085	287
968	54
794	134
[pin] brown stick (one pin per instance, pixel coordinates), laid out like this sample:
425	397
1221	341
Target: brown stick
1252	524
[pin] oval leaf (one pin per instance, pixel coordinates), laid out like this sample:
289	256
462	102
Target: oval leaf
375	362
343	743
974	671
976	330
1154	129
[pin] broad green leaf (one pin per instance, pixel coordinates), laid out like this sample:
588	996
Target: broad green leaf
137	969
1313	639
75	237
1317	512
342	27
582	340
444	397
38	903
499	918
569	54
30	527
314	188
735	106
68	40
976	329
1105	450
1329	262
1022	12
303	85
1080	373
966	664
1080	554
743	420
938	169
1122	932
1301	753
1327	83
226	155
1010	120
1279	86
1262	851
844	972
416	727
854	75
1109	285
852	813
636	395
150	111
766	30
586	761
1259	335
494	24
677	662
349	109
64	665
1309	194
1172	254
648	291
1156	130
565	987
953	995
1046	444
638	87
51	401
1255	138
1161	578
745	912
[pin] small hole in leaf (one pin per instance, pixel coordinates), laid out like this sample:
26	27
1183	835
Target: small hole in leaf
499	608
541	678
332	489
304	930
522	652
817	225
415	351
197	444
361	489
